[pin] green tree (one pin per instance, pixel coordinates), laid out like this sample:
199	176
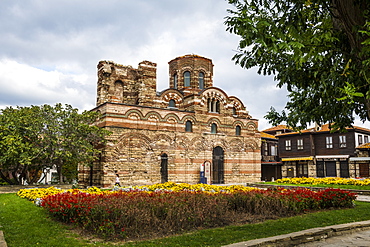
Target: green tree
38	137
18	131
318	49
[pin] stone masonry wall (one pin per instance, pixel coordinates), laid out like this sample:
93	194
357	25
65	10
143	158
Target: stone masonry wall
150	141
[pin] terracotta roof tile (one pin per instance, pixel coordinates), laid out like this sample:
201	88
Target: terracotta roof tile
265	135
278	127
323	128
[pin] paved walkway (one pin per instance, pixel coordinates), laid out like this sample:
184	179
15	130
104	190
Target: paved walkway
350	234
361	238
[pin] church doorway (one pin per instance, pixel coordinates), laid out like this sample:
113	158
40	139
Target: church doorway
218	166
164	168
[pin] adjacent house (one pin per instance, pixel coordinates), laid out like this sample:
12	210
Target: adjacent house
361	162
318	152
270	161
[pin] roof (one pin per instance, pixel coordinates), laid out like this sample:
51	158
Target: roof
265	135
278	127
323	128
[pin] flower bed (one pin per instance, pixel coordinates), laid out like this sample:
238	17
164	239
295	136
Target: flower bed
328	181
165	209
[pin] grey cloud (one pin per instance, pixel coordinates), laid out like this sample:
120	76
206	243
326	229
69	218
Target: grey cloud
72	36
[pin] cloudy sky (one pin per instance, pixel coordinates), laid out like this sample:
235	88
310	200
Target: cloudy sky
49	49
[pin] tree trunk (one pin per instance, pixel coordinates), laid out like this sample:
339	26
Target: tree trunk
367	106
16	178
60	174
348	15
5	178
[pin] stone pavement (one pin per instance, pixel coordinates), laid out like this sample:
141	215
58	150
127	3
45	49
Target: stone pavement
361	238
350	234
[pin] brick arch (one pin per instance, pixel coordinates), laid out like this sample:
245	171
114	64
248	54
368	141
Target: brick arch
125	138
183	69
251	145
251	126
174	94
165	137
237	103
187	117
172	115
200	144
238	122
184	142
214	92
201	69
220	143
236	145
213	120
153	113
133	111
124	143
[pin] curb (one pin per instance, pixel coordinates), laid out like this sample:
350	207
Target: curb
305	236
2	240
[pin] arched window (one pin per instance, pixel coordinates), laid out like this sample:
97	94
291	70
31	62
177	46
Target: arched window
118	88
164	168
172	103
189	126
213	105
187	79
201	80
214	128
175	81
234	111
237	130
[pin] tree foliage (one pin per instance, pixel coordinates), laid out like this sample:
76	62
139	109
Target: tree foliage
318	49
38	137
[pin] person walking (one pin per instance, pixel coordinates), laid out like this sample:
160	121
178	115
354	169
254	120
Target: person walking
117	181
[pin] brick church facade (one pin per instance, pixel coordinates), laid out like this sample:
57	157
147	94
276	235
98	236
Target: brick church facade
166	136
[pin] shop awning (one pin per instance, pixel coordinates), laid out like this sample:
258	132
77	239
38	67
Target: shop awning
271	163
332	156
359	159
297	158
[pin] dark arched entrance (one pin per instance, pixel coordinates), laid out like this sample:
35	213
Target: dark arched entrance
164	168
218	166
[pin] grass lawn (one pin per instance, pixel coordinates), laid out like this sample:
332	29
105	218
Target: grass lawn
25	224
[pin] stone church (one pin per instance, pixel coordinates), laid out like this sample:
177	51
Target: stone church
168	135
